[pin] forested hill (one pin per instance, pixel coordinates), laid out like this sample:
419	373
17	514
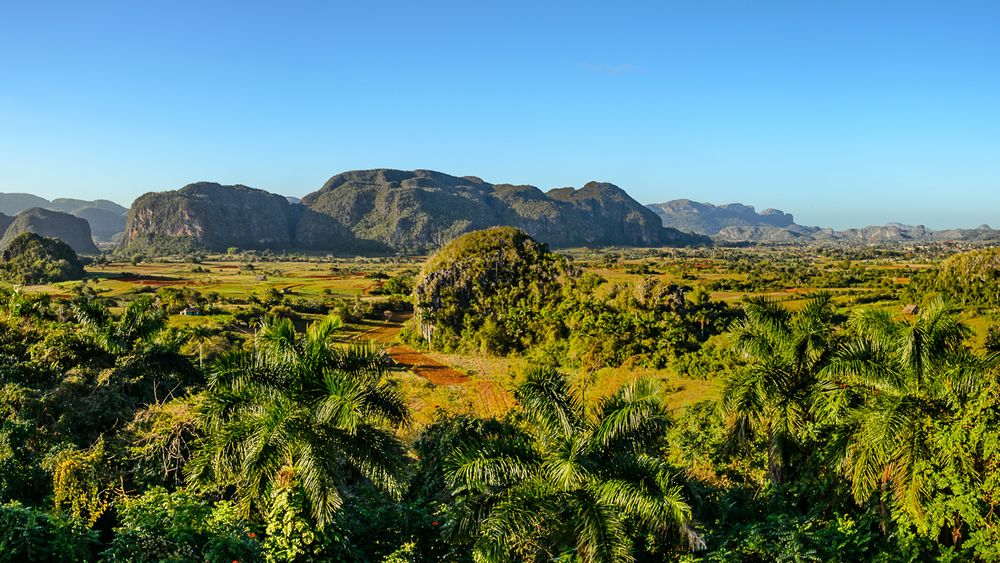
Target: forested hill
390	211
736	222
73	230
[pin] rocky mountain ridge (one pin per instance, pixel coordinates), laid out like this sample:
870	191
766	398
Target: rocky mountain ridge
70	229
390	211
738	223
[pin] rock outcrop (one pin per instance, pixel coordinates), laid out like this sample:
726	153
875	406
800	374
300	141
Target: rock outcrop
70	229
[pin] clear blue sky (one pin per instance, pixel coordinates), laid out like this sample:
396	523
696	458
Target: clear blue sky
843	113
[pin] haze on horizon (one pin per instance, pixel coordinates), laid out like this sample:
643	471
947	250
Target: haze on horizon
845	114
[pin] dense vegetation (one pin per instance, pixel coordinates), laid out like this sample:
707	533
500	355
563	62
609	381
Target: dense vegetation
499	291
844	430
31	259
973	277
483	289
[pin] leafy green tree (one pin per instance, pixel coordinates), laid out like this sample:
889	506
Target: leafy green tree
770	397
566	481
158	442
21	476
178	526
137	339
898	379
120	335
401	284
298	407
709	316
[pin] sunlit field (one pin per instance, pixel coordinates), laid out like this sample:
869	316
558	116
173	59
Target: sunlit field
878	281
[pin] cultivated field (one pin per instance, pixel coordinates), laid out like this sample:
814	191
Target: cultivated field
481	384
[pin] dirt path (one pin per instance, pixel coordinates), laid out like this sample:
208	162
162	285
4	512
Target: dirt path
410	358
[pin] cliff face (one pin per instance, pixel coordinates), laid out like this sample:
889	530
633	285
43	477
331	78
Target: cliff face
606	215
390	211
214	217
72	230
708	219
421	210
404	211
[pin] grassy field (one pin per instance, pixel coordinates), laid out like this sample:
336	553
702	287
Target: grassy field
487	390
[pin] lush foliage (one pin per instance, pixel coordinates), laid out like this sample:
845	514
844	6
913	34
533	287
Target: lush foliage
482	289
30	534
558	480
179	526
31	259
498	291
842	430
888	423
972	277
296	412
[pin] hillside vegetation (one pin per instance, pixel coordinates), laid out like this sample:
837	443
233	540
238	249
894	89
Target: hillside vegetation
31	259
482	289
972	277
70	229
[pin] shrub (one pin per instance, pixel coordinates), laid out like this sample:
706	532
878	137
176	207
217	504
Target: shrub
29	534
179	526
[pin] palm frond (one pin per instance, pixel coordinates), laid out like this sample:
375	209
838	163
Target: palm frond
636	411
546	398
600	532
475	466
318	470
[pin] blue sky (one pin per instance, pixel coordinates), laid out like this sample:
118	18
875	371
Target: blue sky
843	113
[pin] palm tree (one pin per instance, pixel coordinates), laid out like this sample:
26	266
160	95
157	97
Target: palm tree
770	397
143	352
299	408
199	335
120	335
561	480
906	376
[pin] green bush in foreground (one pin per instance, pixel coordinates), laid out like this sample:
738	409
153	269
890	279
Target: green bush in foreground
179	526
30	534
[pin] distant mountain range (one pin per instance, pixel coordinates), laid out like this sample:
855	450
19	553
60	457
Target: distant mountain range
396	211
736	222
106	218
389	211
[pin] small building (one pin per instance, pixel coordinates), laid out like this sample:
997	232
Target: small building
911	309
191	312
